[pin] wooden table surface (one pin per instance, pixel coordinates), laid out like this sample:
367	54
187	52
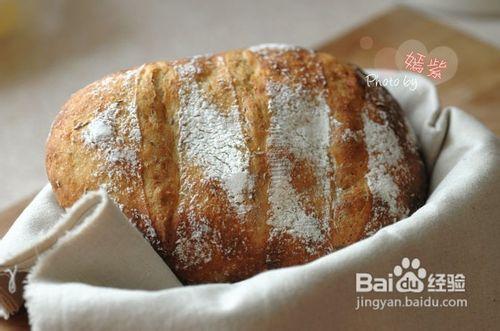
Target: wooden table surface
475	87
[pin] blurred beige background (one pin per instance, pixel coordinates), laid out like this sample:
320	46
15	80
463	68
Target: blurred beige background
50	48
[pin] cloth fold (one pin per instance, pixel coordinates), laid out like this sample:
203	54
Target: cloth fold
89	269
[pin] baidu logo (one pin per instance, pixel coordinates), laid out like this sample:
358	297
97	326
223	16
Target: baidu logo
411	279
406	277
410	276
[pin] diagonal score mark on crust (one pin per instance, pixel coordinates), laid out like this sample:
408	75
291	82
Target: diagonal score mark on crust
332	166
116	134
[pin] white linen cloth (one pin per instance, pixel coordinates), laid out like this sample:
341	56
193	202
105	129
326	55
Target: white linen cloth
89	269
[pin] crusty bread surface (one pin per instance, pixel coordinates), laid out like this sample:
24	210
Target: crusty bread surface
235	163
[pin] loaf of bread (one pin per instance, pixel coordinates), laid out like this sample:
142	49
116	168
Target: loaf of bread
239	162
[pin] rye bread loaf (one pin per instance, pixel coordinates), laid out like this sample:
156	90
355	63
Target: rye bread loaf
243	161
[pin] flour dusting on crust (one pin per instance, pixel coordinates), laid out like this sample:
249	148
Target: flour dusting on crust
299	126
299	133
384	155
103	133
199	239
265	48
211	139
114	131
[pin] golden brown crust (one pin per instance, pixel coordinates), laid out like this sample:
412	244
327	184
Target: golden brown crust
243	161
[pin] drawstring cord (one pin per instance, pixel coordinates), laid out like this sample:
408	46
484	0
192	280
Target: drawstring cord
12	279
